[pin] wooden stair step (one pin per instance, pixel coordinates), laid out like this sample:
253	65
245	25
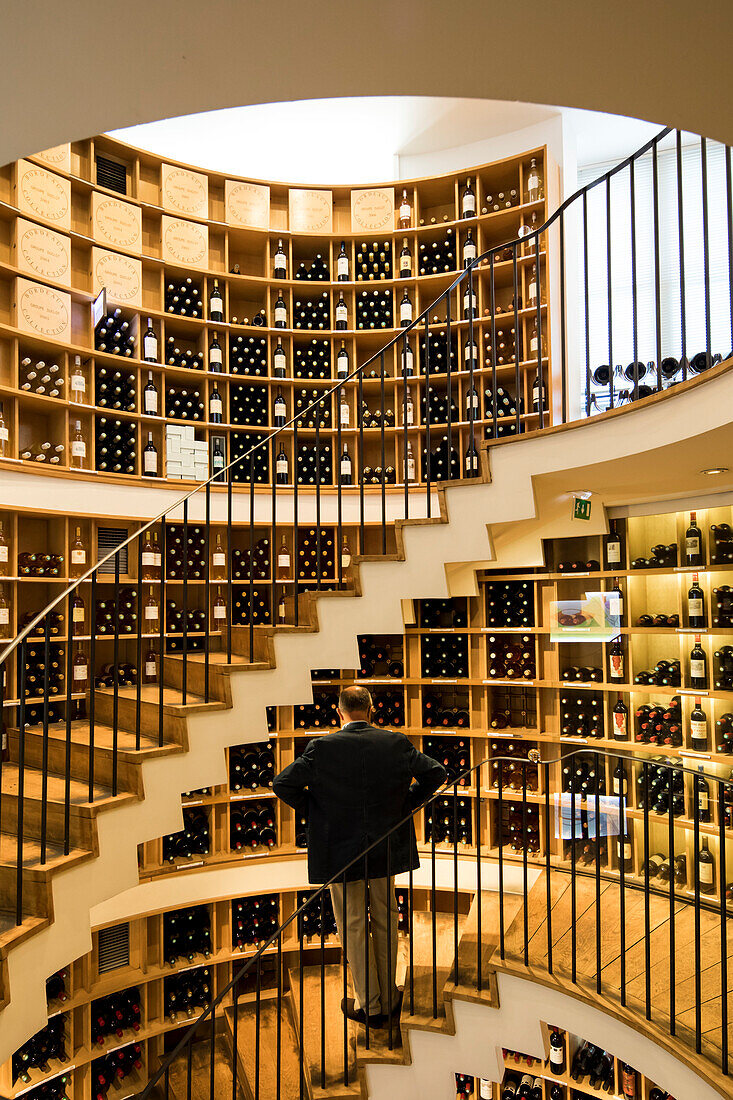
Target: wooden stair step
422	935
330	1019
245	1053
468	954
150	697
200	1078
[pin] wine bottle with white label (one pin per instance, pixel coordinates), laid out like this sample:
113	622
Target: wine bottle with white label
405	310
78	448
706	868
281	468
468	201
279	360
216	356
471	463
616	603
698	666
216	304
150	343
405	212
342	264
405	260
693	543
346	467
698	728
342	362
342	317
78	555
469	249
78	383
4	553
284	561
216	407
150	458
281	313
534	183
150	397
613	547
620	720
696	604
280	262
219	558
280	410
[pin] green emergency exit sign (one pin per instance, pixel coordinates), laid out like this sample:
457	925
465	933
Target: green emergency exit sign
581	508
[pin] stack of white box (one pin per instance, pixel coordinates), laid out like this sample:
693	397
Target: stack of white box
185	456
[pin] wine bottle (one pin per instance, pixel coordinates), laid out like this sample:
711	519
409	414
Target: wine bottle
405	212
281	468
280	409
150	397
279	360
706	868
698	666
150	343
613	547
344	416
557	1052
216	304
471	463
216	407
341	313
616	660
150	458
698	728
468	201
342	362
534	183
4	615
78	448
4	555
216	357
469	249
281	313
342	264
620	720
405	310
693	543
220	609
409	462
346	467
405	260
280	262
696	604
78	383
78	555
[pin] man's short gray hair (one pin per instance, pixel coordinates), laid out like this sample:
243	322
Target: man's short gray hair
355	700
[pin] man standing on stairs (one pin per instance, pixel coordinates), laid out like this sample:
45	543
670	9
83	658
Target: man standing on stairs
353	786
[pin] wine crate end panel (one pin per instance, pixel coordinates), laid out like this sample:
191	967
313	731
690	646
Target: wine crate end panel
39	251
184	242
42	311
59	157
122	277
116	223
372	209
43	194
247	204
185	192
310	211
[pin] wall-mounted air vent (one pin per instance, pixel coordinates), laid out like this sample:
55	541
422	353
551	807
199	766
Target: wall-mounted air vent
111	174
114	947
107	539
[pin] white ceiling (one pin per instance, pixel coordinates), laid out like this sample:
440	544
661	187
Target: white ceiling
361	140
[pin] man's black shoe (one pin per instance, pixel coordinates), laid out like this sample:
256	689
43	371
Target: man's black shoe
349	1009
397	1006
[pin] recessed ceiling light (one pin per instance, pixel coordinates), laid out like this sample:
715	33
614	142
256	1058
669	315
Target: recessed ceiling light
715	470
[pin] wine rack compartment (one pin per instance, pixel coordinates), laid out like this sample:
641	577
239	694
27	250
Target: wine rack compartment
281	308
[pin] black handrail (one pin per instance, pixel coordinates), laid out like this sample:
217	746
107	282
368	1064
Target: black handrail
476	976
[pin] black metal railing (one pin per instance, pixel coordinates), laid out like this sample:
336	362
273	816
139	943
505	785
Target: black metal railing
593	910
53	715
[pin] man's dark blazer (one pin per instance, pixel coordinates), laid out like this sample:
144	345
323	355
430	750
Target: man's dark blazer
352	786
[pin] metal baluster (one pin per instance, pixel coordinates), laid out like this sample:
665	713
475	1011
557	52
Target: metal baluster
433	917
681	233
3	731
586	304
258	1023
672	931
729	220
366	946
517	342
479	897
230	588
161	628
21	674
273	538
362	549
323	990
455	883
698	951
301	983
116	675
573	896
622	888
657	266
235	1039
92	690
141	613
251	615
44	751
525	882
598	873
318	496
428	465
548	865
212	1049
540	371
207	590
609	291
383	458
471	415
189	1074
500	843
634	303
449	387
563	325
410	949
296	539
278	1019
647	923
67	744
339	491
184	670
723	880
404	427
705	244
492	296
390	905
344	976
